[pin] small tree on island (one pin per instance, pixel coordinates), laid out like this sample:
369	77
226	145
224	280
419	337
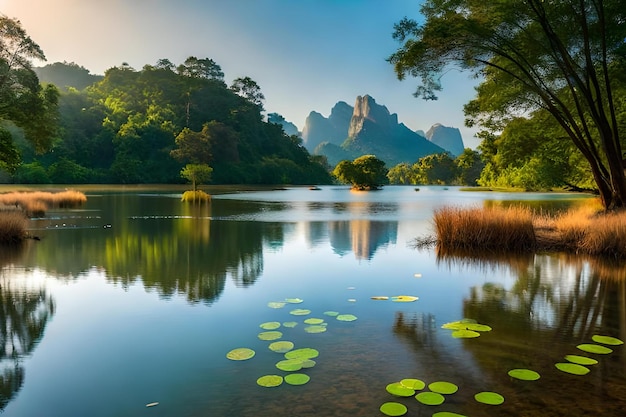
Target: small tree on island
364	173
196	174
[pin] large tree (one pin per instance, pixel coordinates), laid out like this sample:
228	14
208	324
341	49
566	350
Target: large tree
566	57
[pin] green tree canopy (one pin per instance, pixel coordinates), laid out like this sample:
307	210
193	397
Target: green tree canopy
565	57
196	174
364	173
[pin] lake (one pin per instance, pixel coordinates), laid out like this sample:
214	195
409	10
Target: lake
129	305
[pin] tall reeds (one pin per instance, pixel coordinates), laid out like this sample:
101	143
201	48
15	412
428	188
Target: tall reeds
36	203
13	225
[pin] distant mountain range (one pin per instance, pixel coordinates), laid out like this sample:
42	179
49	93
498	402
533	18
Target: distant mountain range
369	128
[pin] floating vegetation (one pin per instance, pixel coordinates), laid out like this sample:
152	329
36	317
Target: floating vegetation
379	297
465	334
430	398
443	387
399	390
346	317
415	384
404	298
240	354
331	313
447	414
308	363
572	368
591	348
466	328
313	321
290	324
581	360
294	300
393	409
315	329
607	340
300	312
270	381
283	346
276	304
303	353
297	379
270	325
271	335
289	365
490	398
524	374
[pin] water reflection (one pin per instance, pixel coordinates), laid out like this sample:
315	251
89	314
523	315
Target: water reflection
25	309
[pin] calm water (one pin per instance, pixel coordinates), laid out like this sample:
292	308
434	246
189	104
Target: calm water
136	298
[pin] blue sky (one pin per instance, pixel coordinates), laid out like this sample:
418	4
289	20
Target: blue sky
304	54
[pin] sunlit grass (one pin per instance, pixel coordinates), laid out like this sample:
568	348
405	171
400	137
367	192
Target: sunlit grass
36	203
196	196
13	225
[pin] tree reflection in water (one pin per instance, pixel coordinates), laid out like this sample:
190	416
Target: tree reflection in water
25	309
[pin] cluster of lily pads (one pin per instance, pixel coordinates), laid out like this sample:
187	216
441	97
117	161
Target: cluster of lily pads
436	395
294	360
577	365
466	328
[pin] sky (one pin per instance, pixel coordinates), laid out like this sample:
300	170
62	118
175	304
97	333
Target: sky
306	55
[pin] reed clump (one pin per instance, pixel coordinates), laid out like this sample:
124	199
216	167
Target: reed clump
13	225
197	196
36	203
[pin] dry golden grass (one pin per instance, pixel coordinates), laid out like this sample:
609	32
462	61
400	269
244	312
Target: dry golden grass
12	226
198	196
36	203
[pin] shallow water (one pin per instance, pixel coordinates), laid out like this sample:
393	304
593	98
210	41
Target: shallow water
136	298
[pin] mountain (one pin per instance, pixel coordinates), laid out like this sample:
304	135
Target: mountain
366	128
288	127
449	138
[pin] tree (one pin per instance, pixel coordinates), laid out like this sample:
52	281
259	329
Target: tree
196	174
247	88
437	168
364	173
566	57
469	167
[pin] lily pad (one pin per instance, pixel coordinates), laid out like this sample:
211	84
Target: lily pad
572	368
294	300
315	329
276	304
447	414
346	317
399	390
524	374
308	363
281	347
297	379
591	348
271	335
379	297
404	298
290	324
581	360
430	398
303	353
478	327
270	325
314	321
393	409
466	324
300	312
443	387
454	325
415	384
465	334
491	398
240	354
270	381
289	365
331	313
607	340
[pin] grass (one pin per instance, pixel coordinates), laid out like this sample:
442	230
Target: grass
12	227
36	203
582	230
196	196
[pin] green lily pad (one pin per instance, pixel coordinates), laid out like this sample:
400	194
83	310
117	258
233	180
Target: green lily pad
430	398
415	384
331	313
300	312
478	327
281	347
276	304
491	398
607	340
581	360
447	414
393	409
346	317
400	390
308	363
572	368
303	353
465	334
289	365
404	298
297	379
314	321
466	324
294	300
240	354
591	348
290	324
443	387
271	335
270	381
315	329
270	325
454	325
524	374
